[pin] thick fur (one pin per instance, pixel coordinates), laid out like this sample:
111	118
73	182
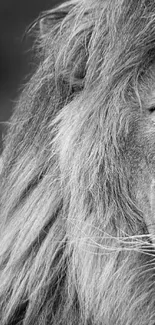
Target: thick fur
77	183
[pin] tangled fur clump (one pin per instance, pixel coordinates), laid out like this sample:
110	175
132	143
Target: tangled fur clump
77	184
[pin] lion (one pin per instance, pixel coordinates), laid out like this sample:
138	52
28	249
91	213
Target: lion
77	202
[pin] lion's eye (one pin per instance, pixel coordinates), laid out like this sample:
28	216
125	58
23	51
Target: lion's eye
151	109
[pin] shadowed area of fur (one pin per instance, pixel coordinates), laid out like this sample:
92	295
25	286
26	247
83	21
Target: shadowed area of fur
77	182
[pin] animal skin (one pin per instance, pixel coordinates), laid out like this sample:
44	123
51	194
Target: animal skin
77	202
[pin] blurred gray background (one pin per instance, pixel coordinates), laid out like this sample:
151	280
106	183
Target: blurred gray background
16	59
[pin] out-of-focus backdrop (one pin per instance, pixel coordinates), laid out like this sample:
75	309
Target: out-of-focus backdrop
16	61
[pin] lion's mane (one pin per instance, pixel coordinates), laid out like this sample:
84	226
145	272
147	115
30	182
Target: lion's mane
74	244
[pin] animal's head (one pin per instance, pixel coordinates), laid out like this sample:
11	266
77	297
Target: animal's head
78	178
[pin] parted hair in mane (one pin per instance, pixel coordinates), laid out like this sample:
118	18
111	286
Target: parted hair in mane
77	220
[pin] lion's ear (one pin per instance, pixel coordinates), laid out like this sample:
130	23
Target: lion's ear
45	25
51	18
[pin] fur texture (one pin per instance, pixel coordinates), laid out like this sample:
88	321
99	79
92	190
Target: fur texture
77	183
